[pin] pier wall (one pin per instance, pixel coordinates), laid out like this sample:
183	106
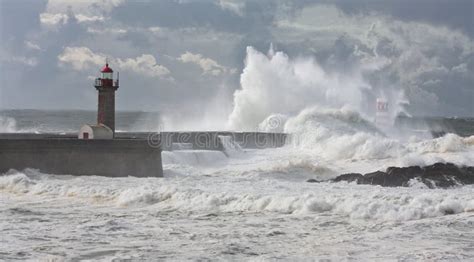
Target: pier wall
129	154
200	140
113	158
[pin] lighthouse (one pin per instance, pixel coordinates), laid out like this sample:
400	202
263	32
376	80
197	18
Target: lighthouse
106	86
382	114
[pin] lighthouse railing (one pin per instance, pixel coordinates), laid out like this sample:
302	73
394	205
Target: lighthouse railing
101	82
98	82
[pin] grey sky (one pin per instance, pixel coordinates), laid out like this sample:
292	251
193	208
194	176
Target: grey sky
187	55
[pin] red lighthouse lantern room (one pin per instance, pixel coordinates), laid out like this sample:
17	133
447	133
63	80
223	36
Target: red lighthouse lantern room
106	86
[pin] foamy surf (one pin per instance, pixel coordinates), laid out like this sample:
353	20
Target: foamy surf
278	196
194	157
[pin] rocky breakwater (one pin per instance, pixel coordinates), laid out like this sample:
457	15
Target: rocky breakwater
439	175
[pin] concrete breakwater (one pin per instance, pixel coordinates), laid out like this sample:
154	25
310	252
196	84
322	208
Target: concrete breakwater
112	158
128	154
199	140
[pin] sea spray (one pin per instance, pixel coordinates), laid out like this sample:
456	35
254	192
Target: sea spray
344	135
339	134
231	148
273	124
193	158
332	114
7	125
276	84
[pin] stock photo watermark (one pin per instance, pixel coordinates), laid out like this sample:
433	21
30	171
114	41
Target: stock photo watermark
217	140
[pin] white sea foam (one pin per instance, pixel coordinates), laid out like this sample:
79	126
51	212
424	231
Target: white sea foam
341	199
194	157
7	125
445	144
344	136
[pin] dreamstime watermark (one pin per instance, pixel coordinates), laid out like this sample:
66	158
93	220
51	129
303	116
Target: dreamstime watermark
275	122
219	140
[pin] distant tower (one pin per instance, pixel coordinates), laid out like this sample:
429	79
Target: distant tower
382	114
106	106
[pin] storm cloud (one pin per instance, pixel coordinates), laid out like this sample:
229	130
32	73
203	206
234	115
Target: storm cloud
182	56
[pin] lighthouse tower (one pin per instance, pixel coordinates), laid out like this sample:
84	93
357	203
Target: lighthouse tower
106	86
382	114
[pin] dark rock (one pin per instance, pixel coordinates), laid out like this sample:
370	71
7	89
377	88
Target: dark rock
405	171
312	181
447	175
438	175
380	178
351	177
401	176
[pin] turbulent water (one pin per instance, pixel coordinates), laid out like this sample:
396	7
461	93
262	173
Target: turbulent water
244	204
249	204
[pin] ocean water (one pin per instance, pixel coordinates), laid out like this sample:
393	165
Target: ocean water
70	121
255	205
250	205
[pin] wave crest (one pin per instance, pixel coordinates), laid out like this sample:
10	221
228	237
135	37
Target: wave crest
340	198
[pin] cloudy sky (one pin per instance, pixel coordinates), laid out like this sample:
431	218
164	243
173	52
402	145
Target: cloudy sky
187	54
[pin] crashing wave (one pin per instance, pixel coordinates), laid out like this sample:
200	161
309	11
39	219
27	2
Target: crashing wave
394	205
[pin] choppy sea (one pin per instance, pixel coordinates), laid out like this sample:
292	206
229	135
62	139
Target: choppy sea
249	205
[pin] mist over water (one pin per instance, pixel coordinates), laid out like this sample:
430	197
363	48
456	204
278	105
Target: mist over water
274	83
333	115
